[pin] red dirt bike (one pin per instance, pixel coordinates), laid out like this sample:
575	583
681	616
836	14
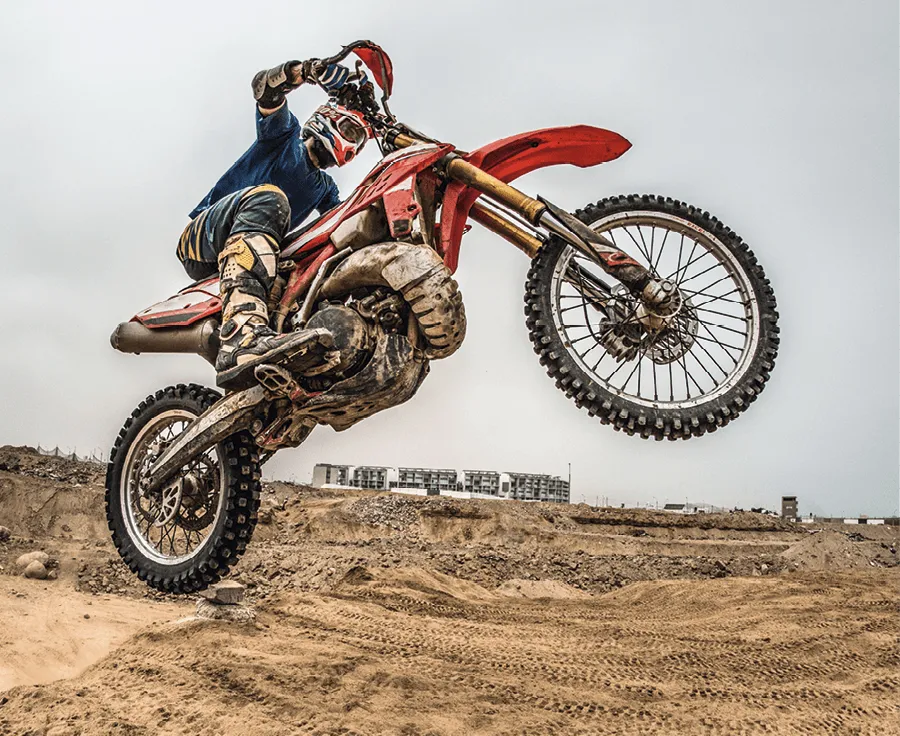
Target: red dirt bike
647	312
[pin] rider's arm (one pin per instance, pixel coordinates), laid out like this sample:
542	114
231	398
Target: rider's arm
270	86
277	125
331	198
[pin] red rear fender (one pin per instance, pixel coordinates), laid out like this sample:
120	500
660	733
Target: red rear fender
510	158
189	305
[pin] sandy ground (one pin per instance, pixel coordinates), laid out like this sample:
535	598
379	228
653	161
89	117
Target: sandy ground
387	615
50	632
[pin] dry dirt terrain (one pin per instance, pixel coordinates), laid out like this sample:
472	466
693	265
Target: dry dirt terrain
388	614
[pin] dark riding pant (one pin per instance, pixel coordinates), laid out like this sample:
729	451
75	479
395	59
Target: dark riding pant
261	209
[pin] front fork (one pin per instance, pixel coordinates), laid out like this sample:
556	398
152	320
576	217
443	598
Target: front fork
539	213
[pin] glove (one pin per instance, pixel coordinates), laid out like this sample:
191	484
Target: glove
333	76
270	87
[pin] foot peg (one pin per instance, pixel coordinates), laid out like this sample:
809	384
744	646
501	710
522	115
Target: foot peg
279	381
314	356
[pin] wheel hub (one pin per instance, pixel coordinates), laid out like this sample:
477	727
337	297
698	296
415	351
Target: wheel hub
676	338
195	511
658	312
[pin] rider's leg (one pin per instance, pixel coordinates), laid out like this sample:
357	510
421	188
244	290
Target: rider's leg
242	232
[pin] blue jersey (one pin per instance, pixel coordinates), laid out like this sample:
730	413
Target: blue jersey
278	157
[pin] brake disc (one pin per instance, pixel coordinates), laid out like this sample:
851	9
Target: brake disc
622	333
676	339
169	502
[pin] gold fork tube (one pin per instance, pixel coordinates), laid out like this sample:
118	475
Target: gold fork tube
530	208
507	230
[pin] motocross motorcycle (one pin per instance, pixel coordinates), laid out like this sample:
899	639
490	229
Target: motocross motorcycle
648	313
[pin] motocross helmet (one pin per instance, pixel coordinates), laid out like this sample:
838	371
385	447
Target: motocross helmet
342	133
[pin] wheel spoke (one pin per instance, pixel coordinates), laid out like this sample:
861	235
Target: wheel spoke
721	314
671	383
637	364
720	298
638	245
648	251
659	255
705	270
579	339
680	250
718	342
703	368
730	329
705	289
715	362
574	306
690	260
687	373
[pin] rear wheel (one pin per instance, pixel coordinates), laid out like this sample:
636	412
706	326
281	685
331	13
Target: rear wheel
187	535
674	373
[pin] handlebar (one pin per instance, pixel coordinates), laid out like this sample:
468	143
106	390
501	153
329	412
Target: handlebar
364	99
344	52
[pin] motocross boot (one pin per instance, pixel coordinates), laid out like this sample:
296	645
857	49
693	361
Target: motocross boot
247	271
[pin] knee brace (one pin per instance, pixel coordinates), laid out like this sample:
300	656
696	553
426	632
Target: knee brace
248	258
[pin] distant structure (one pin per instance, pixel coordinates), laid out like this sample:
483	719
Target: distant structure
789	508
691	508
445	481
370	477
331	475
482	481
432	480
531	487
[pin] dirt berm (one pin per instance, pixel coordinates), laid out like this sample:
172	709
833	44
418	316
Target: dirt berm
379	613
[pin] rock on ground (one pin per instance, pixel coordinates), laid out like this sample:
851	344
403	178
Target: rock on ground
37	556
225	612
224	592
35	570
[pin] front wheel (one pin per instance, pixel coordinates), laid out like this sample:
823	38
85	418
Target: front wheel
675	373
188	534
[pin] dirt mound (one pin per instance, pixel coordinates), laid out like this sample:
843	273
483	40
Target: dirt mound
39	507
28	461
412	583
535	589
50	632
730	521
832	550
44	496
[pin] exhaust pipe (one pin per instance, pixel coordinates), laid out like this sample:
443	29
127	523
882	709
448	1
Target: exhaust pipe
201	338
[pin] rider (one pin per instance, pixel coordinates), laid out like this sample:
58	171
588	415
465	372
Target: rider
238	227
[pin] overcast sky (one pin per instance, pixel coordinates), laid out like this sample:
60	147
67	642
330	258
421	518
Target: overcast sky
781	118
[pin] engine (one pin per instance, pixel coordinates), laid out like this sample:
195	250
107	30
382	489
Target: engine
354	325
389	308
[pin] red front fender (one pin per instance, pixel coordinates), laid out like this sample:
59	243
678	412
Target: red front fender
510	158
